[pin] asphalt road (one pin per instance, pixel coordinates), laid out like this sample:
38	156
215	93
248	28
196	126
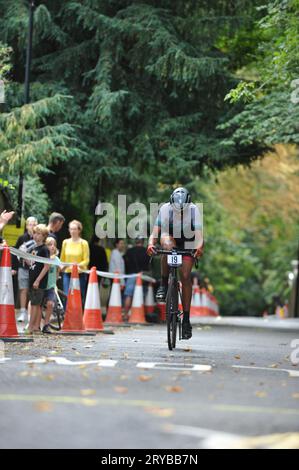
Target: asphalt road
137	394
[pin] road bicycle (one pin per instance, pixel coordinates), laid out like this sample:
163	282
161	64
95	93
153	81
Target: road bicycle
57	316
174	294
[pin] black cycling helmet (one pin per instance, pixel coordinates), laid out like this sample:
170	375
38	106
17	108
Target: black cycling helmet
179	198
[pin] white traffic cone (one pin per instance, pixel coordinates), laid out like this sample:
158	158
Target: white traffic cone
92	318
137	311
114	313
150	300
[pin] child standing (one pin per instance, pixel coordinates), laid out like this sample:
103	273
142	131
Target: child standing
38	278
51	244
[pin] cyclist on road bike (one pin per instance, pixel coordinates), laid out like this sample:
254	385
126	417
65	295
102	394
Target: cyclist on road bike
178	224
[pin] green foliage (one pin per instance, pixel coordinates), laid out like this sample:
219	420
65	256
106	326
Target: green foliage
230	263
148	82
4	184
243	92
271	115
272	119
5	65
36	201
32	138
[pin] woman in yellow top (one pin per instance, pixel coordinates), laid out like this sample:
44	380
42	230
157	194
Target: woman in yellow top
75	250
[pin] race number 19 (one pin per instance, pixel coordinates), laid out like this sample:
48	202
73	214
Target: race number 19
174	260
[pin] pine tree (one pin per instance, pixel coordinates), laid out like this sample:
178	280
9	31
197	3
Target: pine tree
148	81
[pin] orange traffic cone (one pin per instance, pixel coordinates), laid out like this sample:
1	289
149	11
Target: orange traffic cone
92	319
137	310
196	309
204	302
211	306
214	306
8	325
73	321
114	314
150	300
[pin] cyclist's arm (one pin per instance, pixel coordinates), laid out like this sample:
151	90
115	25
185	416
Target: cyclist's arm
153	239
199	243
155	235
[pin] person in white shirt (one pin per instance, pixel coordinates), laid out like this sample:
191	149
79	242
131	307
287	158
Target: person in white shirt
117	262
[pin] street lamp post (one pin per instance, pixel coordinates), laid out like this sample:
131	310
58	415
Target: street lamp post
26	99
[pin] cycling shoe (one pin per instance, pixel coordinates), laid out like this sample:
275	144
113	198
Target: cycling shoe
161	294
186	330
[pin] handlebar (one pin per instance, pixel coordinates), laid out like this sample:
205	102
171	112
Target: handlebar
174	251
190	253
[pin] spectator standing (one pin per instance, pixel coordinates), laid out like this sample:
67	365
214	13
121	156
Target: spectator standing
56	221
75	250
98	257
24	243
136	260
117	263
38	278
51	284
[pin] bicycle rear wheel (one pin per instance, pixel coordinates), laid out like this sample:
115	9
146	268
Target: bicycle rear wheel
172	312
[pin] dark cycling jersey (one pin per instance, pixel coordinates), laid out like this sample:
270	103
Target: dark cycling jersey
181	225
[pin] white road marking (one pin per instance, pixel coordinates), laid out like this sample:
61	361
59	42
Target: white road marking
4	359
173	366
62	361
210	439
292	373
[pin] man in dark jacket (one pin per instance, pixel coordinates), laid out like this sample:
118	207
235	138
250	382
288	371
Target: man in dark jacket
136	260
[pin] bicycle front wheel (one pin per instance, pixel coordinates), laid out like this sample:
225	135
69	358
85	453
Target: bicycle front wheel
171	313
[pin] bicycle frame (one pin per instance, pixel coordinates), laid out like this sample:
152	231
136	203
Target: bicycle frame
173	315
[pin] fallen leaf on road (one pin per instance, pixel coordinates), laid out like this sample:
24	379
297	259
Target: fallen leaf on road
187	349
49	377
237	357
27	373
145	378
87	392
43	407
121	389
260	394
160	412
89	402
174	388
274	366
296	395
